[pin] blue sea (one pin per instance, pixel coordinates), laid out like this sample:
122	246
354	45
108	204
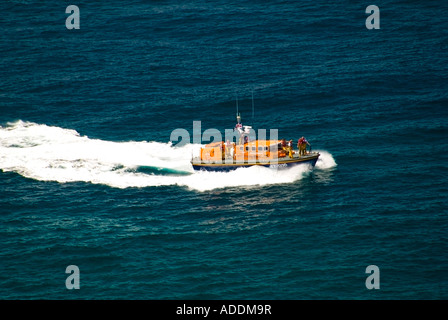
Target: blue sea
91	177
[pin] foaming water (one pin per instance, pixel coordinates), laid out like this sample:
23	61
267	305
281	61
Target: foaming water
325	161
48	153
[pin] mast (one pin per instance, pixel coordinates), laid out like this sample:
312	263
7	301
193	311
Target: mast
238	116
236	104
252	107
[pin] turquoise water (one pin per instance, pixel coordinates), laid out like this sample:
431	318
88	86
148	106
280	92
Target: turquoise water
89	177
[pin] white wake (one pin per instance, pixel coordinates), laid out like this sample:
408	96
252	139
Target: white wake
49	153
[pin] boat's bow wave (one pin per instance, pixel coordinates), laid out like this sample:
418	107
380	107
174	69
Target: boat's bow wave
48	153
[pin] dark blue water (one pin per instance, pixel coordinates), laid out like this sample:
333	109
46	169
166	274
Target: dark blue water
88	176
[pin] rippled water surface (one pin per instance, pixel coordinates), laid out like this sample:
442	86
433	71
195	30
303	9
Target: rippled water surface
89	176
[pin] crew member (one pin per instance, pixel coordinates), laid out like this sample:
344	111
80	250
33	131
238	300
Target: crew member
290	148
283	144
302	146
239	128
228	148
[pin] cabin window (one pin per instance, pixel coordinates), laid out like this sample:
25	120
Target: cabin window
241	148
253	148
260	148
266	148
247	148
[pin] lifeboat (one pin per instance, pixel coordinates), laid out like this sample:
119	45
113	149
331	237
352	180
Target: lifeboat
274	154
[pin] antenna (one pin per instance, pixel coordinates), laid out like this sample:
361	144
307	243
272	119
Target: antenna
253	109
252	105
238	116
236	104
